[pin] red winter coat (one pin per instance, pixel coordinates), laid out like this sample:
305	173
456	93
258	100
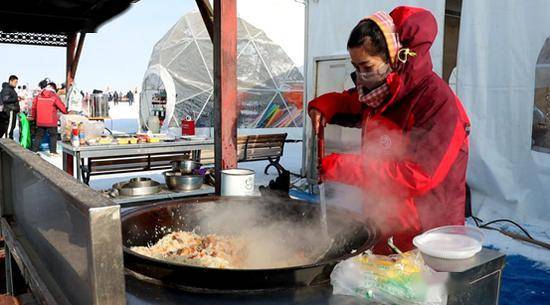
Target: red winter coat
412	168
44	108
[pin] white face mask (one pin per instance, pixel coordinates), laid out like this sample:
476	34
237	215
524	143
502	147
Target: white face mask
373	79
372	86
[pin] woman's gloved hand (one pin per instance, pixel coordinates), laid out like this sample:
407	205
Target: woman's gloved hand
326	172
317	120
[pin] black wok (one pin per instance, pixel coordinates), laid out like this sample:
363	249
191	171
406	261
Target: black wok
351	235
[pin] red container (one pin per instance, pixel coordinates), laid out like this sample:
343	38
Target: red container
75	131
188	127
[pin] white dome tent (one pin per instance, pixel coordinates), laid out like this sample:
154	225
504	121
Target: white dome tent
180	75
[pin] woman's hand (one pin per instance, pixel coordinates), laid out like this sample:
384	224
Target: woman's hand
317	120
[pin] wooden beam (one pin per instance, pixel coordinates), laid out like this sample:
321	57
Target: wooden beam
75	44
225	86
207	16
76	60
71	47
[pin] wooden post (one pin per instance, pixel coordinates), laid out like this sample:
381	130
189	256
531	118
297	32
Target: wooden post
74	49
225	86
207	16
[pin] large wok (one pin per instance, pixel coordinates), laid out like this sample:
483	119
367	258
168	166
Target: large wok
350	235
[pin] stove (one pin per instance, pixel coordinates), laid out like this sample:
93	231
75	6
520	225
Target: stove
471	281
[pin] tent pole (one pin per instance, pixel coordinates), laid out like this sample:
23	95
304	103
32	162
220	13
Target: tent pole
225	87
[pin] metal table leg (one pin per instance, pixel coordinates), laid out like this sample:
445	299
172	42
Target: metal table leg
9	271
78	167
196	155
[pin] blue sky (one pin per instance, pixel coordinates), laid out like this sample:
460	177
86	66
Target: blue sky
117	55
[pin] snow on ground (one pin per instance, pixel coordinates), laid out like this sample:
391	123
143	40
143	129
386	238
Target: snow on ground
539	229
539	255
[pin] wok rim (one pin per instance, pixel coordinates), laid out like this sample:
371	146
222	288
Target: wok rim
168	264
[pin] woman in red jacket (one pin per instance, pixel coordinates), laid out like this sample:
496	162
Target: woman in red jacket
412	166
44	111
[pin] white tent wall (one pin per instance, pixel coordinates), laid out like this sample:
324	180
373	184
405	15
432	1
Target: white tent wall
500	41
327	33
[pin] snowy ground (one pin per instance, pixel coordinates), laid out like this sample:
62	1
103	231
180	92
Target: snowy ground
527	273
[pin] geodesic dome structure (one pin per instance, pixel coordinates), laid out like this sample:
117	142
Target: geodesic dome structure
181	72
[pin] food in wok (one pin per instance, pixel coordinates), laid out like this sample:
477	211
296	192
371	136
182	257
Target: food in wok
283	245
210	251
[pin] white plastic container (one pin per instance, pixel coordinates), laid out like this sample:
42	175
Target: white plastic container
75	141
237	182
450	242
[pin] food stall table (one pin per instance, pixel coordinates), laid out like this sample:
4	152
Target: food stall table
79	154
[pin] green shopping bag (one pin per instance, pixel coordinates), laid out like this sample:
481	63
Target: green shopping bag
25	130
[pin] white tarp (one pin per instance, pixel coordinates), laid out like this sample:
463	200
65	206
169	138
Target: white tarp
500	41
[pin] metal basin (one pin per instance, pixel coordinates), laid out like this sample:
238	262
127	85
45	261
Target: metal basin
351	235
137	187
185	166
178	181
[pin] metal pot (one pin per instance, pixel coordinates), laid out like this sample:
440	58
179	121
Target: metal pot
177	181
185	166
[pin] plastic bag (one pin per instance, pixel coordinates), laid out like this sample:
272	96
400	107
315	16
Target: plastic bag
396	279
92	129
66	122
25	131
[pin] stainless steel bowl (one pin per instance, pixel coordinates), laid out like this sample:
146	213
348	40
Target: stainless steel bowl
180	182
185	166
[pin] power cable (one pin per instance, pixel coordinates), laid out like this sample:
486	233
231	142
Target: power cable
527	238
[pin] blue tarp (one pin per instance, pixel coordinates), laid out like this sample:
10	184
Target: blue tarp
524	283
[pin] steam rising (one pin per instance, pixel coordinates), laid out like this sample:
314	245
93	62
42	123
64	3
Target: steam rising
272	241
378	199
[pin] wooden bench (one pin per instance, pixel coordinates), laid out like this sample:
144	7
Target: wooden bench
268	147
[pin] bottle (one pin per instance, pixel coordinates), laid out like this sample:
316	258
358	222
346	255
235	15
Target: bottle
75	141
81	134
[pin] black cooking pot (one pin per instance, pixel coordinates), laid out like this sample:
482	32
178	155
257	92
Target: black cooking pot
350	233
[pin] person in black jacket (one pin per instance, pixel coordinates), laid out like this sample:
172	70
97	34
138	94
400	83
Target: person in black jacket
10	107
130	97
